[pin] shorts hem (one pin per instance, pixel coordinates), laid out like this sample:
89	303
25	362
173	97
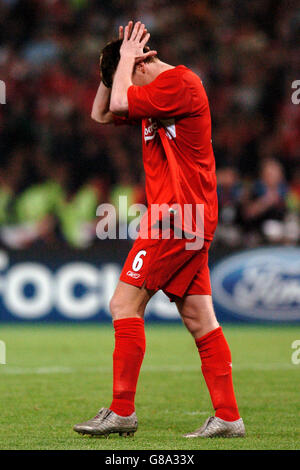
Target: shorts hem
131	281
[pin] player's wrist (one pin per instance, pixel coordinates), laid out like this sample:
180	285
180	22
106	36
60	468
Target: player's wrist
127	56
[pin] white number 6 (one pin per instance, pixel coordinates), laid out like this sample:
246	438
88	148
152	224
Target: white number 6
138	261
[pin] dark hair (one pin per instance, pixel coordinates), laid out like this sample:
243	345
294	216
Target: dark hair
109	60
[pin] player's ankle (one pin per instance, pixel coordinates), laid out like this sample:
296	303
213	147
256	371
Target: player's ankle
122	407
124	413
228	414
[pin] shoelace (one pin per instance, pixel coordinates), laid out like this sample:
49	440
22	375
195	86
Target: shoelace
103	413
209	420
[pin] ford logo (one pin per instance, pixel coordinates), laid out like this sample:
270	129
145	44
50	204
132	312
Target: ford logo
260	284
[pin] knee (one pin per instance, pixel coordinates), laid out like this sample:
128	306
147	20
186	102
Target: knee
121	308
199	321
193	325
116	307
198	327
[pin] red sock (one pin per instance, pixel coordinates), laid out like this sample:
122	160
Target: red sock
217	371
127	360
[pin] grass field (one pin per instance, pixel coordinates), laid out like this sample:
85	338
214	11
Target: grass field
59	375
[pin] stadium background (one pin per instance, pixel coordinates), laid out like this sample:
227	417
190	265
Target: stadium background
57	166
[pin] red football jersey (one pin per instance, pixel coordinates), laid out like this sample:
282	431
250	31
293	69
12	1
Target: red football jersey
177	150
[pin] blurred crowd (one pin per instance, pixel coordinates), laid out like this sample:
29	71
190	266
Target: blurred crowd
57	165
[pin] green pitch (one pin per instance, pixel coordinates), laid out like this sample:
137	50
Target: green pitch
57	376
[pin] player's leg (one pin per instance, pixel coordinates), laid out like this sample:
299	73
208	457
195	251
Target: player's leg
127	308
129	301
198	315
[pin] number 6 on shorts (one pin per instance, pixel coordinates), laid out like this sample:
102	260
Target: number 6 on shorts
138	260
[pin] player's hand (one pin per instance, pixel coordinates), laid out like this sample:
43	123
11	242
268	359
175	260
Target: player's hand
135	39
130	26
121	32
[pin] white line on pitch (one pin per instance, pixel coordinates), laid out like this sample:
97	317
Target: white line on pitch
11	370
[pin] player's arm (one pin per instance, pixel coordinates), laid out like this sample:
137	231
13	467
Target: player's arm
122	81
100	111
131	53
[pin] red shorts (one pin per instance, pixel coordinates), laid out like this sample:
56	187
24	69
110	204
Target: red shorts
166	264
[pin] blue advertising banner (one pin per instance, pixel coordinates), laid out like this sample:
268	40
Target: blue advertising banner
255	285
258	285
65	287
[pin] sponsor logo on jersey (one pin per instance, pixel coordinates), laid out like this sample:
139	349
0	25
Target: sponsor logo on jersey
169	125
150	130
261	284
152	125
134	275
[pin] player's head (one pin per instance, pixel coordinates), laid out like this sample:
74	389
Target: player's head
109	60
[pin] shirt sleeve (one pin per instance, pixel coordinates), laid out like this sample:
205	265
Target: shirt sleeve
166	97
